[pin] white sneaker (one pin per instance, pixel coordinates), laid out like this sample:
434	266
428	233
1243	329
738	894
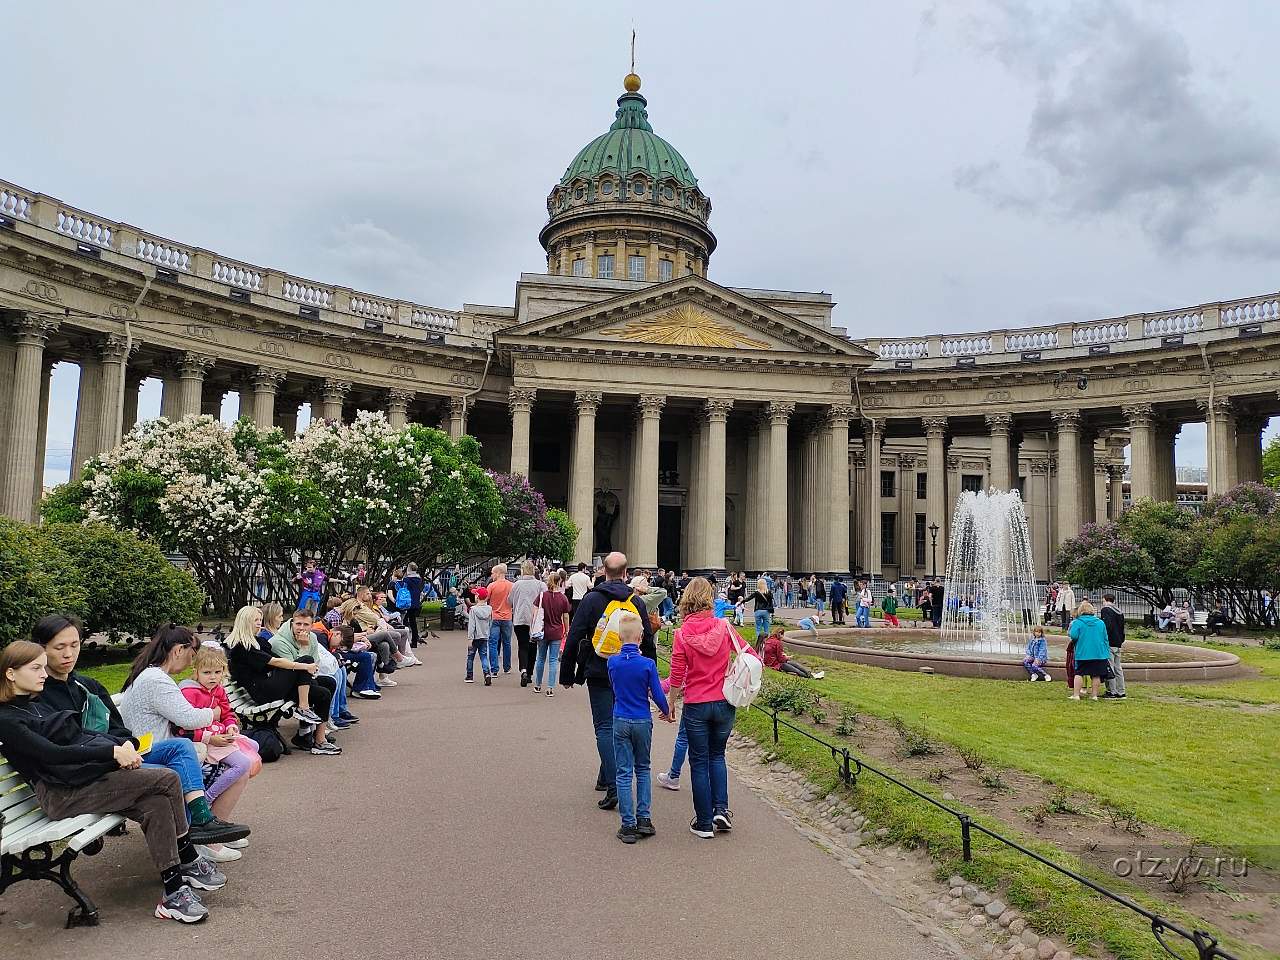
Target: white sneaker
388	682
223	854
667	782
820	674
237	844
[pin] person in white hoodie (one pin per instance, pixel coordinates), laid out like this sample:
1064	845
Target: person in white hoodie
479	622
1065	603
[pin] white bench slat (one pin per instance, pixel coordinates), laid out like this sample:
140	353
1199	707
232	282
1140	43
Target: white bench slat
10	802
23	832
6	769
95	830
62	829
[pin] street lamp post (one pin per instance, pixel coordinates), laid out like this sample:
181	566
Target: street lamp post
933	532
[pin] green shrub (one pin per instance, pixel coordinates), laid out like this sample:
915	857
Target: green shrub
847	722
131	587
36	578
914	743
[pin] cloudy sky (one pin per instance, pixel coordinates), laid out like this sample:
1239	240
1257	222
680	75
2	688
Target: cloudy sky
935	166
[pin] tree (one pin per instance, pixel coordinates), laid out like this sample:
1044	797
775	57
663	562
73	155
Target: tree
528	529
1271	463
36	578
566	537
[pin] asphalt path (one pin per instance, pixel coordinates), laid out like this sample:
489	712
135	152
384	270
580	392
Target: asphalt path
461	822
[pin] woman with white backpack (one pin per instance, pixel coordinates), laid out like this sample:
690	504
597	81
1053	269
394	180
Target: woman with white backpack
704	672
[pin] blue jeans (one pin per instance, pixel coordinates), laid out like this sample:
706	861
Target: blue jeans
338	705
666	608
602	719
479	648
548	657
363	660
763	620
309	597
500	636
632	740
708	726
681	751
862	616
179	755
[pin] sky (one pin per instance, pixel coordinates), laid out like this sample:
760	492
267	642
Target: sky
955	166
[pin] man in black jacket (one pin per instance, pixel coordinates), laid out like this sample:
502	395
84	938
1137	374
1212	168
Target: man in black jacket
1114	620
581	664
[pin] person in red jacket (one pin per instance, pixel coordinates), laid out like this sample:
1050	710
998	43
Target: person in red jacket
776	659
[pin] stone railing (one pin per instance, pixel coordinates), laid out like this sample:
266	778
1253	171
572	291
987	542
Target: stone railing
49	219
1167	330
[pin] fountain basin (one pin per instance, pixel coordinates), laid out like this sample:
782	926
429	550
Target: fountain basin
912	650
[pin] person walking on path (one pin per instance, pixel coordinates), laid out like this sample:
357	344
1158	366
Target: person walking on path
839	601
524	598
555	615
634	680
700	655
500	633
412	583
1092	653
1064	603
580	664
479	628
577	588
862	616
1111	616
762	598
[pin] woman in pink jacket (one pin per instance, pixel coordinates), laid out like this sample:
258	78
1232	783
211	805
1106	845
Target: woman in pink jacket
700	657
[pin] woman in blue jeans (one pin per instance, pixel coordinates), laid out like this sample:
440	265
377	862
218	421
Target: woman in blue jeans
700	656
762	600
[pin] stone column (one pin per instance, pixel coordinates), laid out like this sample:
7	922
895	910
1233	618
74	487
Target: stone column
582	479
115	357
458	409
775	487
838	537
906	509
1115	480
520	403
935	429
266	383
857	507
1101	479
1069	479
1003	467
333	394
1220	420
716	410
1040	514
651	263
84	442
696	498
591	253
751	498
1166	485
620	265
42	435
211	397
191	373
129	415
286	416
873	438
1142	451
398	407
170	389
1087	509
646	546
30	333
1249	447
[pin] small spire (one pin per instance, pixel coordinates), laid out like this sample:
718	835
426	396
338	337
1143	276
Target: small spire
631	82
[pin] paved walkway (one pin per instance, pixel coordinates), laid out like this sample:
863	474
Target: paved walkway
461	823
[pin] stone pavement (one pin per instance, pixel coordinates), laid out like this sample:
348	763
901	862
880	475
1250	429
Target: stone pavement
461	823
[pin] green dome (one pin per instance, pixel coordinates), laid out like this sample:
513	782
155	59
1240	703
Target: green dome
630	147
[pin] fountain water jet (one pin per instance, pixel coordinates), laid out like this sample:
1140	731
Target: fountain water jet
991	600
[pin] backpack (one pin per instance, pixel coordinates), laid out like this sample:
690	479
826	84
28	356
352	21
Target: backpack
271	746
742	679
403	599
605	639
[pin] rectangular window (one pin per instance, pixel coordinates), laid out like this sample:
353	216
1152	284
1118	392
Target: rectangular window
888	538
1022	488
922	486
580	267
635	267
664	269
887	483
971	482
604	266
920	538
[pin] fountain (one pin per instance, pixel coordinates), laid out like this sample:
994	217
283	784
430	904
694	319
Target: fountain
991	596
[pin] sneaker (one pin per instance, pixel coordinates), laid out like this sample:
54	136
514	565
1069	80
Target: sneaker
302	741
698	831
524	679
723	821
217	831
470	679
203	875
183	905
668	782
550	692
819	674
488	680
220	854
388	682
325	749
237	844
536	688
369	694
628	834
339	724
307	716
608	802
644	827
349	717
601	787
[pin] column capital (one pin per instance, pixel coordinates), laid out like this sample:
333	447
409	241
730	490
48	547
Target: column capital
906	461
1250	422
267	379
1219	407
875	425
717	408
587	402
1066	419
953	463
31	330
458	406
651	404
335	390
999	422
520	399
934	425
1041	467
114	348
781	410
193	366
1102	468
401	397
1139	414
842	413
858	459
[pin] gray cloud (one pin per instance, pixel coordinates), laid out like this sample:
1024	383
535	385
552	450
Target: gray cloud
1123	124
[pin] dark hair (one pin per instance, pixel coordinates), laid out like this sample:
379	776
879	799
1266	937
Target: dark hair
1109	597
158	649
50	626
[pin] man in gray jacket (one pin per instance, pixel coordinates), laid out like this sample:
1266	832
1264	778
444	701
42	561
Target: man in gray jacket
525	595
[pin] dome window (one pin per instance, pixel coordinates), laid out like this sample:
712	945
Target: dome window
669	193
579	193
606	187
638	188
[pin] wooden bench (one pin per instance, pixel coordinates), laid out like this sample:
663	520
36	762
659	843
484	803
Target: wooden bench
256	714
27	839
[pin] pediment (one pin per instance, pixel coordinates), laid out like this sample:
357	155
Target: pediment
689	316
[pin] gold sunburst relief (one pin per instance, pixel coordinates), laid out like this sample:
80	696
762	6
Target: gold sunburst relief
684	327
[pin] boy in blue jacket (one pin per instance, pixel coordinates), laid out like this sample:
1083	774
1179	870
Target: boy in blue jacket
634	679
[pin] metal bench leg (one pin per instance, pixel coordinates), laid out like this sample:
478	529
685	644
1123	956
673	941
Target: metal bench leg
39	863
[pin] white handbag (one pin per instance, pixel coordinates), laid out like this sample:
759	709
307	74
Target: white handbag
742	679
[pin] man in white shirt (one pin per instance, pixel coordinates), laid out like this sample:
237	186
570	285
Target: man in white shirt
578	587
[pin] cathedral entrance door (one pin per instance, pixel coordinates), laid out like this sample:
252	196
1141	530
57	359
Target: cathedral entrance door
669	535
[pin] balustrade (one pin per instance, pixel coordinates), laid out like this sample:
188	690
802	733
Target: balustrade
81	227
1250	311
163	253
904	350
236	275
1165	324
